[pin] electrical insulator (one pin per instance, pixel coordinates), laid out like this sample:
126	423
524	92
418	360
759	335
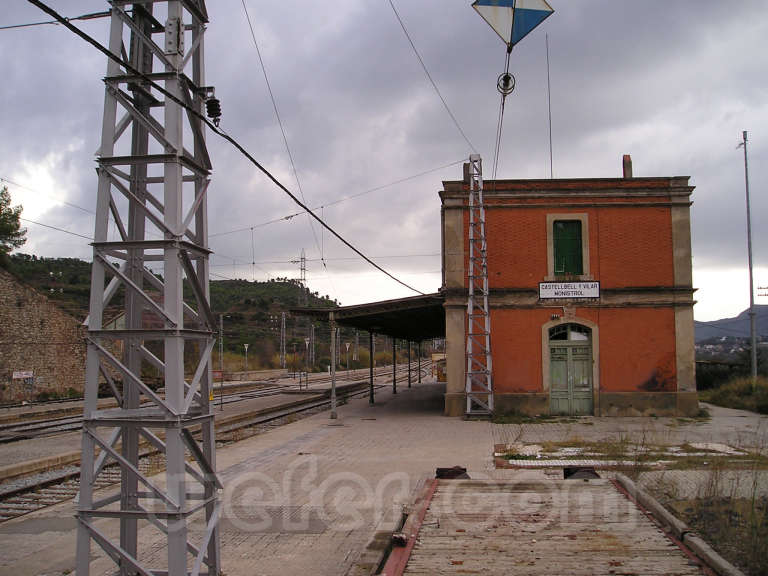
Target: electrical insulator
505	84
213	109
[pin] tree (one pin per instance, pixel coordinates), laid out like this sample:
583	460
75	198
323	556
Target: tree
12	235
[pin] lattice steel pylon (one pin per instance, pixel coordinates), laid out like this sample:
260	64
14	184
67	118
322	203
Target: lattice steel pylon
153	191
479	386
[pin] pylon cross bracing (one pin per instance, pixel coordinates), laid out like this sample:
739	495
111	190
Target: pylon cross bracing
479	383
152	193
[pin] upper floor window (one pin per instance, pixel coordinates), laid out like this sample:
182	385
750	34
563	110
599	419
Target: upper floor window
568	247
566	237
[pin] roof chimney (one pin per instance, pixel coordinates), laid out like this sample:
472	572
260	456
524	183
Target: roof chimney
627	162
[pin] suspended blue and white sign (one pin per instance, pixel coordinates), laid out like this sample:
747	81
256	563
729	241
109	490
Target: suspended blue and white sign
513	19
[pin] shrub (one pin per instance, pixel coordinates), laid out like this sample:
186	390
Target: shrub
741	394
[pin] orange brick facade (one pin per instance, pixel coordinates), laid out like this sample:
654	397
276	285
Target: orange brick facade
636	239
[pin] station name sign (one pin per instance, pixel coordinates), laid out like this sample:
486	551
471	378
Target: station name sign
561	290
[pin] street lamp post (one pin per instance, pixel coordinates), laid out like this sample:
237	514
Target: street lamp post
306	363
246	357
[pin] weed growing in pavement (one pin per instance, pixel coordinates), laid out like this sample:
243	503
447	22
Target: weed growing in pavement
517	456
729	506
702	415
517	418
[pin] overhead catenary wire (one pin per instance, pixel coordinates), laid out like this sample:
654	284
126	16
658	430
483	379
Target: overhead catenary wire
432	255
218	131
279	121
56	228
60	201
431	80
91	16
340	200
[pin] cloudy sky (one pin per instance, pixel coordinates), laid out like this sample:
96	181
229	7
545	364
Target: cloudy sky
671	83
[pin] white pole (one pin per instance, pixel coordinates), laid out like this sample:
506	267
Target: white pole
333	366
221	360
752	333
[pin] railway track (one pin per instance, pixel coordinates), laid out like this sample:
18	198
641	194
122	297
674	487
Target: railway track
27	429
53	487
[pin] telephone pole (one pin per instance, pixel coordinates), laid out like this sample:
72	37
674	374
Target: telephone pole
144	162
752	330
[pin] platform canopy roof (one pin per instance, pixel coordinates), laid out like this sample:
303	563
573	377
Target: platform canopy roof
416	318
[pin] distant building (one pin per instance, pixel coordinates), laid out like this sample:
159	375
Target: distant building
591	295
42	348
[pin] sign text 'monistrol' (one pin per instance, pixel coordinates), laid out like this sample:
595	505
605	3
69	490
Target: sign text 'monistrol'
564	290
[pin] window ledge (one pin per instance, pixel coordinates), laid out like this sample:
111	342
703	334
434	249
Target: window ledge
569	278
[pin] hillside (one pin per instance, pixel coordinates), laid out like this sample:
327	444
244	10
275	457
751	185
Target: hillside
737	327
66	281
252	310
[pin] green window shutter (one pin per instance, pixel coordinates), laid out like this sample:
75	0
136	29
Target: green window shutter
567	247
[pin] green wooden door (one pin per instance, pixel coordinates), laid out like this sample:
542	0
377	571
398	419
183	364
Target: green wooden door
570	370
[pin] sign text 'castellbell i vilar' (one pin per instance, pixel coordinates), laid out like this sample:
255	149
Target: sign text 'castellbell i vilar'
569	290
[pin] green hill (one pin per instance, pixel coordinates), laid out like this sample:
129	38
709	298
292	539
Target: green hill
252	310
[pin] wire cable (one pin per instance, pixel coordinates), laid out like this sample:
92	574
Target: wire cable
431	80
279	121
91	16
329	259
216	130
500	125
12	183
340	200
55	228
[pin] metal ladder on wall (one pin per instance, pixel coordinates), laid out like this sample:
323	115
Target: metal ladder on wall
479	386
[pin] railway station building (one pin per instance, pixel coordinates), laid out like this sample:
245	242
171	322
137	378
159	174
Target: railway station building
590	295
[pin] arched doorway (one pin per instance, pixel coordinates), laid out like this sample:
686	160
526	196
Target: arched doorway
570	370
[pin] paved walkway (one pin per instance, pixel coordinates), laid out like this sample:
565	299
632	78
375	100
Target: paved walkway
305	498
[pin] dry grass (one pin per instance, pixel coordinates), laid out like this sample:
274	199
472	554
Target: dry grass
741	394
736	527
730	506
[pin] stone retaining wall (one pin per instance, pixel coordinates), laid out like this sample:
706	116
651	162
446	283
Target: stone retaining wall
37	336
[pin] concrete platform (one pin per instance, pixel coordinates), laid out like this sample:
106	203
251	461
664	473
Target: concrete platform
307	498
